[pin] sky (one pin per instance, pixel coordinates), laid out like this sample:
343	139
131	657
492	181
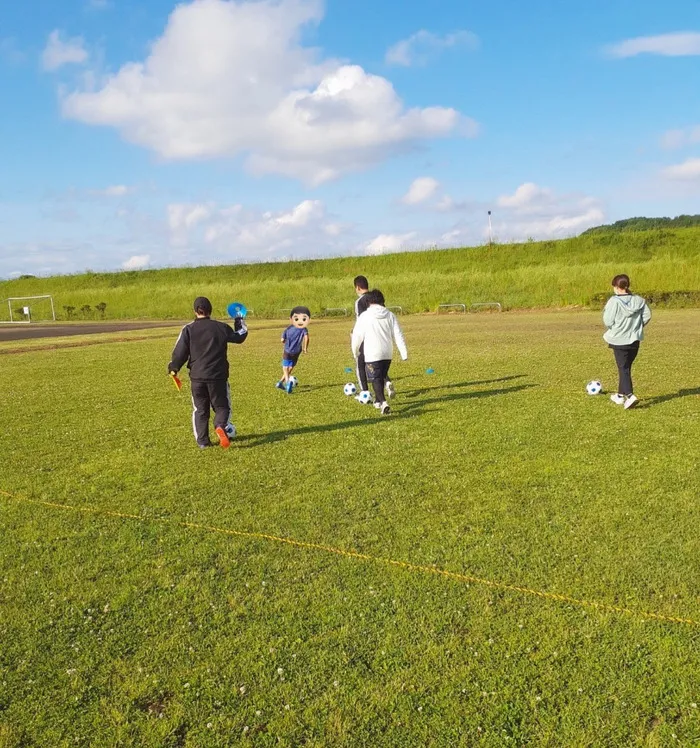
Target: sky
136	135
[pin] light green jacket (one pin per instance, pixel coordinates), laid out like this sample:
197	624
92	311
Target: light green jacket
625	317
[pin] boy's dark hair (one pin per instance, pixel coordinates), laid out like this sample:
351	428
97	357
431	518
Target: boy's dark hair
375	296
361	282
301	310
202	305
621	281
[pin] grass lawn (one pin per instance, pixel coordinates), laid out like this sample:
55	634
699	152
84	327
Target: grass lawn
152	630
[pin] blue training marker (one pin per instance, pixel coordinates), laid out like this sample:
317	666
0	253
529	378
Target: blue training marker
430	371
236	309
348	370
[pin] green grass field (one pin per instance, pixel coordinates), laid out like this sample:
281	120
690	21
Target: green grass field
664	266
131	614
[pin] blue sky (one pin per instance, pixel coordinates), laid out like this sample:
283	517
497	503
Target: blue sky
149	134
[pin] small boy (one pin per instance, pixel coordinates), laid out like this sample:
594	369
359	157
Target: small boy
376	329
202	344
295	339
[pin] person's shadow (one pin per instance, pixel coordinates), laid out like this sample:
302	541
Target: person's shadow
671	396
457	385
257	440
401	412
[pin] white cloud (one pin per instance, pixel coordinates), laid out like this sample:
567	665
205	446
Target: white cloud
527	198
232	77
678	44
58	52
386	243
182	217
428	193
539	212
418	48
137	262
687	171
674	139
421	190
114	190
237	232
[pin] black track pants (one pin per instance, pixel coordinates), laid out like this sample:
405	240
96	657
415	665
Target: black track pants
378	373
361	373
214	394
624	358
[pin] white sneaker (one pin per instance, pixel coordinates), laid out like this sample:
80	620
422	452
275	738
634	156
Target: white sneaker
378	405
618	399
390	391
385	409
631	401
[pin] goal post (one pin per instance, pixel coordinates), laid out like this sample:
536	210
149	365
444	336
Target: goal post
28	309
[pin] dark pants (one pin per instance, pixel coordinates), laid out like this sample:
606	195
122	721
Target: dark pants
378	373
361	373
624	358
214	394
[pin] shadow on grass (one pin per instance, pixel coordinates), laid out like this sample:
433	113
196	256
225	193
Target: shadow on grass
671	396
423	390
257	440
410	410
468	396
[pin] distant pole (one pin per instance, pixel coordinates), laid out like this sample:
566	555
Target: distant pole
490	231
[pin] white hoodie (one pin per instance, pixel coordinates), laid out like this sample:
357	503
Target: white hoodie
375	328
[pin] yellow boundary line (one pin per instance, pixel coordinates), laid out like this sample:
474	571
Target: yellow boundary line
603	607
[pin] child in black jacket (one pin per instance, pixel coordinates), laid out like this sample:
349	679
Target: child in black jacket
202	344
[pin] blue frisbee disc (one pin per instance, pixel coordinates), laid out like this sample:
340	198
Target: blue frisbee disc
430	371
348	370
236	310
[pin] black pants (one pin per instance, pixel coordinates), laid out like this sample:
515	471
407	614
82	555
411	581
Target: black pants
378	373
214	394
361	373
624	358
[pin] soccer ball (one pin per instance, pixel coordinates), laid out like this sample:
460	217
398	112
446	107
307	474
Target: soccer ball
594	387
349	389
364	397
294	381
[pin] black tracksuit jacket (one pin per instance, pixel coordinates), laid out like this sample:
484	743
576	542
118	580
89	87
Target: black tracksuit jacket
202	345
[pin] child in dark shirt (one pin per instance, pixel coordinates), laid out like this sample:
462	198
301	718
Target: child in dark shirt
296	341
202	345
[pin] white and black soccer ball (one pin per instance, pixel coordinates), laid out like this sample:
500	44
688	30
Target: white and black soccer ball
349	389
594	387
364	397
294	381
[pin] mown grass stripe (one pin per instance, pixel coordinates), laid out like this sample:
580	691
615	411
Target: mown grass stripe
418	568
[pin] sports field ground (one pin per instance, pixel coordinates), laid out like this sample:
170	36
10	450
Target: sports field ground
502	561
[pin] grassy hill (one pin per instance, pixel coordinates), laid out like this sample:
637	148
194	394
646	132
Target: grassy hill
642	223
664	266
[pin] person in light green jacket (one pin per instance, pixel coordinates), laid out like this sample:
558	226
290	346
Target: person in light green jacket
625	315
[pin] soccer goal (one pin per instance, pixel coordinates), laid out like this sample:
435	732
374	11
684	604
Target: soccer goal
28	309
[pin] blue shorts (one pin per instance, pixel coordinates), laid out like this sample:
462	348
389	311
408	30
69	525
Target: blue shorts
289	359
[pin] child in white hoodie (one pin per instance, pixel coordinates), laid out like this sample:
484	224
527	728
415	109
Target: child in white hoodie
625	315
377	328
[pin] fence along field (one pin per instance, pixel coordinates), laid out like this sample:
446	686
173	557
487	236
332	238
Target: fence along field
664	266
